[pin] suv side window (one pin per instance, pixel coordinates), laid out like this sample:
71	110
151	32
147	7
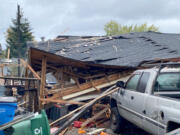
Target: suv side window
167	82
143	82
133	82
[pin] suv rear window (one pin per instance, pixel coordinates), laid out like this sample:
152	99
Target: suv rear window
168	82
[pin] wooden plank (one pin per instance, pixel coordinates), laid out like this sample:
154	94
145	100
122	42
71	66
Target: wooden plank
94	117
78	93
88	85
18	78
89	90
60	77
109	91
2	70
37	105
96	131
64	131
83	109
73	74
26	88
48	65
94	85
94	76
69	102
30	68
61	101
43	78
77	81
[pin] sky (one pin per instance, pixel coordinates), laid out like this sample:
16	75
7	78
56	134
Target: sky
50	18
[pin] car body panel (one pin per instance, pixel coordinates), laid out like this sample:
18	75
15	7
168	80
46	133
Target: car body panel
148	111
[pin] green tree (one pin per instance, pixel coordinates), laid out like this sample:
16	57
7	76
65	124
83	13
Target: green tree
18	34
113	28
3	54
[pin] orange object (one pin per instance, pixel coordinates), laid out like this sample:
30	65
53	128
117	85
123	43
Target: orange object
103	133
81	131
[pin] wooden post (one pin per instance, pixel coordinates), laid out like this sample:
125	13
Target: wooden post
8	55
43	79
26	75
2	70
26	88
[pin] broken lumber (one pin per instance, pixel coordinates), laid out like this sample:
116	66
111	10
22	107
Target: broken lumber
68	91
89	90
96	131
61	101
94	117
19	78
30	68
64	131
69	114
85	108
72	112
68	102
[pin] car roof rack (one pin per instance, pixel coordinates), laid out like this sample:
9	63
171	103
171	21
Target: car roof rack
160	66
169	64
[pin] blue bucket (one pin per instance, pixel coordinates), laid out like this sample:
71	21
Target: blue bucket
8	107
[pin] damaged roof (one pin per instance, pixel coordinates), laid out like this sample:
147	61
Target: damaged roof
124	50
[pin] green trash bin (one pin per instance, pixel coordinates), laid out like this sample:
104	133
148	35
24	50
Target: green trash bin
38	125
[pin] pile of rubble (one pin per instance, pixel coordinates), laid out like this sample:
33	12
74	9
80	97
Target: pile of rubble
99	113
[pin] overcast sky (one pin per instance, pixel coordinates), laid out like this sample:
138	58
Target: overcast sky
50	18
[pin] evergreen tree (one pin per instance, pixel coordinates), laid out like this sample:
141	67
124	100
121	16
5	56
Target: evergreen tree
113	28
18	35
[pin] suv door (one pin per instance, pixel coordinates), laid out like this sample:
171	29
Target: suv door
134	98
156	104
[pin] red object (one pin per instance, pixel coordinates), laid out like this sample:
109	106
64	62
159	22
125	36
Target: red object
77	124
58	106
52	130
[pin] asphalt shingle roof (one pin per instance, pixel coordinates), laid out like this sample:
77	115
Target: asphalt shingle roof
124	50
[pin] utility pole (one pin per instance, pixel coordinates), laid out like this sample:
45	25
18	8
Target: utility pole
19	36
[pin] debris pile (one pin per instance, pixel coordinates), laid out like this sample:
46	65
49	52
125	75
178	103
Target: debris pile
100	114
72	77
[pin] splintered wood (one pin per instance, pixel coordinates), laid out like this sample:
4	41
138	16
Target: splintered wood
94	117
82	89
80	111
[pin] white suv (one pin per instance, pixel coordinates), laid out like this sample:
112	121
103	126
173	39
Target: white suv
149	99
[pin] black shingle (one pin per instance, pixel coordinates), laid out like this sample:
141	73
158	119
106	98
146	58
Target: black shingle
124	50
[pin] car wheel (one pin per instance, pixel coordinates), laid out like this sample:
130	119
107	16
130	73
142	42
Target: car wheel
116	121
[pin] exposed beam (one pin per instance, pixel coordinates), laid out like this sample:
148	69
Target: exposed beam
85	86
30	68
43	78
61	101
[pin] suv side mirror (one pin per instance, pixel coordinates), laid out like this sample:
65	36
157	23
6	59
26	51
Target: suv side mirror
120	84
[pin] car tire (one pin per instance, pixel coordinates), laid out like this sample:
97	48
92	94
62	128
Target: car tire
116	121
